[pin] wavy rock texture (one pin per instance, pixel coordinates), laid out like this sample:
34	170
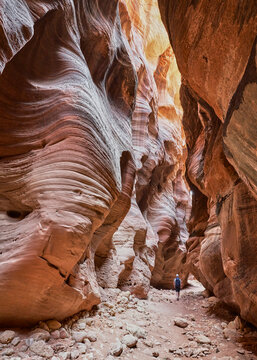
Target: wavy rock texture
87	128
155	223
215	47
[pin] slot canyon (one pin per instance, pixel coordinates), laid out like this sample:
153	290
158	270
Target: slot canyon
128	154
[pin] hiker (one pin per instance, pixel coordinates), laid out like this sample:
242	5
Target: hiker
177	285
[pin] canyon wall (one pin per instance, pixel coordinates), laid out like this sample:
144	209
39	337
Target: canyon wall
92	189
215	47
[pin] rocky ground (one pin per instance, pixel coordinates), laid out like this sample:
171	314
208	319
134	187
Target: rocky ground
129	328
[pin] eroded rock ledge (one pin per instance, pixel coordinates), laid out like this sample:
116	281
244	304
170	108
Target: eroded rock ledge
91	156
215	47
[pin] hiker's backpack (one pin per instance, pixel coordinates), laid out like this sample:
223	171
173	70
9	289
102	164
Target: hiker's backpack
177	283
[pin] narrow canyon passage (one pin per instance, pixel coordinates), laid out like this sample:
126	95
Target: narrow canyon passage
127	155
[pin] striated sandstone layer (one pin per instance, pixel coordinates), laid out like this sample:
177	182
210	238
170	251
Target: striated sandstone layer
215	47
148	247
91	152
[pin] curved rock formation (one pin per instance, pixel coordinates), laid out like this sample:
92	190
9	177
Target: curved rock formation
155	223
215	47
87	129
66	99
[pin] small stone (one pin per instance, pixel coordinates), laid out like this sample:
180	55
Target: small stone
16	341
63	333
40	334
86	342
241	351
89	322
202	339
129	340
137	331
64	355
89	356
91	336
155	354
116	349
29	341
180	322
23	348
43	325
148	343
79	336
42	349
7	352
74	354
7	336
82	348
55	358
53	324
55	334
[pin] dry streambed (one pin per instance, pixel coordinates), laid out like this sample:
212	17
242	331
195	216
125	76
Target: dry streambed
128	328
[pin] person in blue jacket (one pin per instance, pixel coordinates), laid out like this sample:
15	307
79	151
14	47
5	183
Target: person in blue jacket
177	285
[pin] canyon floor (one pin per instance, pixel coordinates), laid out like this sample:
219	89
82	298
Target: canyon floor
125	327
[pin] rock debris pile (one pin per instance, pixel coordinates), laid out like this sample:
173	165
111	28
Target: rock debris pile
126	327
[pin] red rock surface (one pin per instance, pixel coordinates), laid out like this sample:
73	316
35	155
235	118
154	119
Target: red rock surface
215	47
90	123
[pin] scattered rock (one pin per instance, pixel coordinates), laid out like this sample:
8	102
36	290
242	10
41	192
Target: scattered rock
137	331
82	348
155	354
7	336
7	352
180	322
79	336
16	341
91	336
53	324
202	339
43	325
42	349
40	334
55	334
63	333
129	340
64	355
116	349
74	354
241	351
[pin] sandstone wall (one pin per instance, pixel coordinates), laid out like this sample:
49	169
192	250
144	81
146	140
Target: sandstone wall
91	153
215	47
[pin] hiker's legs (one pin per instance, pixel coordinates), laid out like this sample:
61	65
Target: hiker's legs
177	292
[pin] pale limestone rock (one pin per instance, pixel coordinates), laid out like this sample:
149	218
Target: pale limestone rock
79	336
63	333
137	331
7	336
55	334
82	348
116	348
181	322
40	334
202	339
42	349
74	354
16	341
129	340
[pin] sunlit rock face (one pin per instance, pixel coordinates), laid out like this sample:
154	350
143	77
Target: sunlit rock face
148	246
91	153
215	47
